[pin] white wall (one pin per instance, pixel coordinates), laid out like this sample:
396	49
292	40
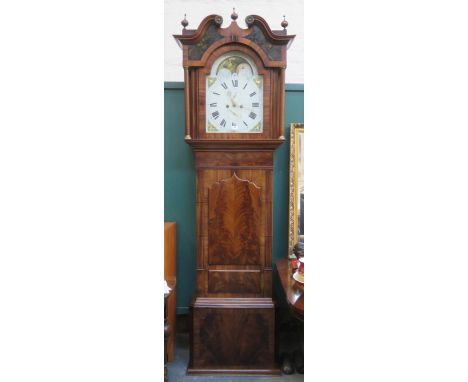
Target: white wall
271	10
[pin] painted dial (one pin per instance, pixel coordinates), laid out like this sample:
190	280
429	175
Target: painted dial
234	96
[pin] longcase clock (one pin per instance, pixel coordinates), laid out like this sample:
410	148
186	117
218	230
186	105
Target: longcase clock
234	111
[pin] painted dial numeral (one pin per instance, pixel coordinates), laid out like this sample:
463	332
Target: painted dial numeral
234	95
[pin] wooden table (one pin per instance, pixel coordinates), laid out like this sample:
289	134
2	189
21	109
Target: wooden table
293	290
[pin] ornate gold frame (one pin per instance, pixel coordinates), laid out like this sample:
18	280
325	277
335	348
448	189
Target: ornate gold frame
295	128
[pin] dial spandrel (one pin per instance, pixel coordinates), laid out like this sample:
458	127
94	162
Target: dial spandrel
234	96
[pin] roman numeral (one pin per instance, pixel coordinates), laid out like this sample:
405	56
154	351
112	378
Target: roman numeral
252	94
252	115
223	123
245	123
216	93
245	85
224	85
235	83
215	114
255	104
214	104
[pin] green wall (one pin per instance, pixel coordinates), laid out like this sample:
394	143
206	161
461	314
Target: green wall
179	185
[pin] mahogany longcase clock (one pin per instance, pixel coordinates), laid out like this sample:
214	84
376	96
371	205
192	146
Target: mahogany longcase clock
234	111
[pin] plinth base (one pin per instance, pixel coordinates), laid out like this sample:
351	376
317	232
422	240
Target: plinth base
244	372
233	336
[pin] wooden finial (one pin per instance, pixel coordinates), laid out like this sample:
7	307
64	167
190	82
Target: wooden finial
284	23
184	22
234	15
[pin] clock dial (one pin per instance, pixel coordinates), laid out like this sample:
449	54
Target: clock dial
234	96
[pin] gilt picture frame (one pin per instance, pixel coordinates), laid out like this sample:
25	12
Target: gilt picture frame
296	184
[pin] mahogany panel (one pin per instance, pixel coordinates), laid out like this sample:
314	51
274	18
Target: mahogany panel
234	222
268	253
206	178
259	177
235	144
234	282
267	283
202	217
202	281
235	334
216	159
201	250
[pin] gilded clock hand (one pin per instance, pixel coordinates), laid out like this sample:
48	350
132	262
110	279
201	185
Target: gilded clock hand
235	114
232	100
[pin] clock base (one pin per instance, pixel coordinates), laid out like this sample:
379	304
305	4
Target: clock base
245	372
233	336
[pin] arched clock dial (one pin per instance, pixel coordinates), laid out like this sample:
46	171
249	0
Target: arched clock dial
234	96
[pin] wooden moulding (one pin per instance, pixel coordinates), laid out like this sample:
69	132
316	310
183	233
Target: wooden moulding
235	282
232	159
208	302
235	144
209	36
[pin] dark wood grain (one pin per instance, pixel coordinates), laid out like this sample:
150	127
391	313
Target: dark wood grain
235	335
241	282
234	222
231	34
234	159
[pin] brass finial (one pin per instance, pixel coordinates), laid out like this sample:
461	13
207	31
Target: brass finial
184	22
284	23
234	15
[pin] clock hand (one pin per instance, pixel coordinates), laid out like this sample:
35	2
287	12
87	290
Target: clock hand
232	101
232	111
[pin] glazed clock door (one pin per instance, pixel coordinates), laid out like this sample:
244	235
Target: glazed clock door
234	95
